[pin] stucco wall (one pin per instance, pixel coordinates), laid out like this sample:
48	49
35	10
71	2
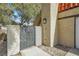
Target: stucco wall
56	34
38	37
70	12
66	31
13	39
66	27
45	13
53	24
49	11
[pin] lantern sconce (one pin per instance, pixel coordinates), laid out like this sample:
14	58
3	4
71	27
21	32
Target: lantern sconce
44	20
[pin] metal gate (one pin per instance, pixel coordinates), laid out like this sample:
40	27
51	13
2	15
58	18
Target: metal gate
27	37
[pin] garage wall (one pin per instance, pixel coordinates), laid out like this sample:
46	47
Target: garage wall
70	12
66	31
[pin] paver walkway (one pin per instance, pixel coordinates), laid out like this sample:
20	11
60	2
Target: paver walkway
33	51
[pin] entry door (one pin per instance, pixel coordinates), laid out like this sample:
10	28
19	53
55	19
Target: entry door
77	32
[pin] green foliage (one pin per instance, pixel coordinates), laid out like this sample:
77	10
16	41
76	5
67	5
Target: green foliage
28	11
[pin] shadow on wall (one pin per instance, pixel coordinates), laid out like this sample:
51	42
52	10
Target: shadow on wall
56	34
3	41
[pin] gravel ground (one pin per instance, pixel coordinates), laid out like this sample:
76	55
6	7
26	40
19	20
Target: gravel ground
18	54
55	51
73	52
3	49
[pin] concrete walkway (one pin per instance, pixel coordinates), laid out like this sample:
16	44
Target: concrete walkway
33	51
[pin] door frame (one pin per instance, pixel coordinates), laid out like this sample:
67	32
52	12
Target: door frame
75	30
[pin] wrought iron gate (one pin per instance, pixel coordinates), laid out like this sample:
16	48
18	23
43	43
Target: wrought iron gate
27	37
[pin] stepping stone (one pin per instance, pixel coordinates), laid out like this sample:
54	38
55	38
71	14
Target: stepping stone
33	51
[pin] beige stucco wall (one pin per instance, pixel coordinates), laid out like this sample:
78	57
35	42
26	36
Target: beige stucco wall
70	12
49	30
59	31
66	27
53	24
56	34
66	31
45	13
